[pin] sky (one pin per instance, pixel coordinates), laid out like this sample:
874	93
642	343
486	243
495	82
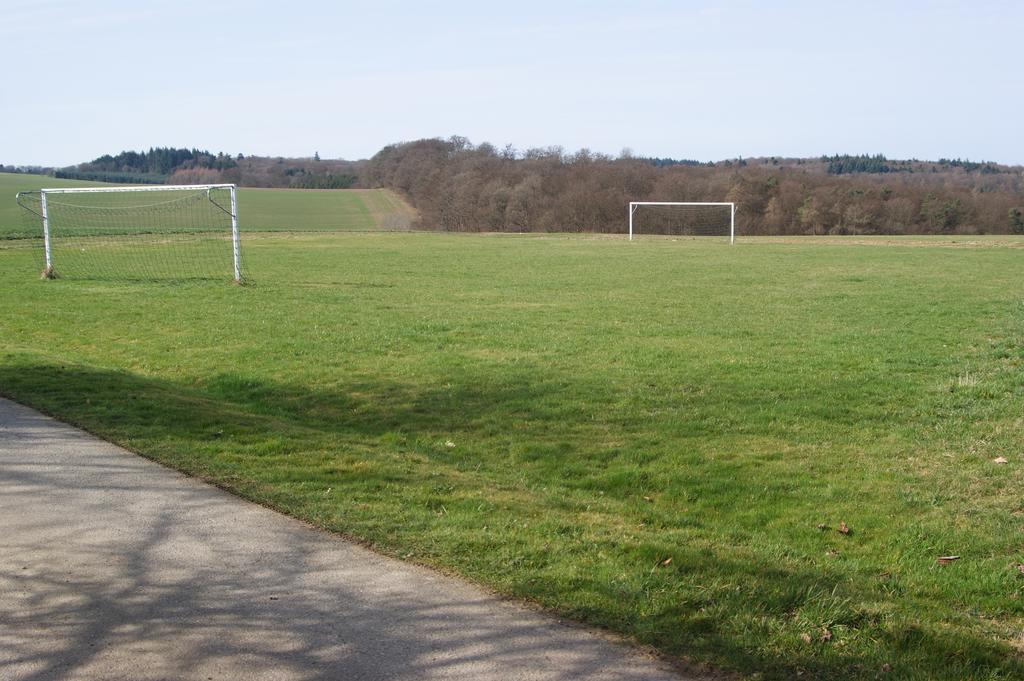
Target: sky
699	80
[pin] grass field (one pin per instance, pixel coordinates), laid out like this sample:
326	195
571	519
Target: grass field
259	209
322	210
660	437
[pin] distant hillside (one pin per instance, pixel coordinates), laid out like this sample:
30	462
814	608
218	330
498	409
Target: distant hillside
160	165
456	185
983	175
297	173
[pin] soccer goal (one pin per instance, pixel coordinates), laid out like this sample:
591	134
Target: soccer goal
680	218
138	232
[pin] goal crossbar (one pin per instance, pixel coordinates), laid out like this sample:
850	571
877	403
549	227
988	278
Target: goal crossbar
144	188
232	211
633	205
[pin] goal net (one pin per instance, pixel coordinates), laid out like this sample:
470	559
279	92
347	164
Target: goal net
683	219
148	232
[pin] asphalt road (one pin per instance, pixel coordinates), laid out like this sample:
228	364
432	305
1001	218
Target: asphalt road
114	567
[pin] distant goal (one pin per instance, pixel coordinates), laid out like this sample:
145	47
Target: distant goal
683	218
150	232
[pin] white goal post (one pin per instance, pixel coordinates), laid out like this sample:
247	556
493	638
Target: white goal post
634	205
41	205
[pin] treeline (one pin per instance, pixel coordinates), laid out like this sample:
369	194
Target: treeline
319	177
26	170
458	186
166	165
293	173
666	162
843	164
158	161
970	166
110	176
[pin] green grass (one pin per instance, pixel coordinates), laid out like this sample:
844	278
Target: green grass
11	221
322	210
558	417
259	209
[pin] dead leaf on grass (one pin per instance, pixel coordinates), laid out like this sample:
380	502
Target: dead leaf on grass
1000	459
946	560
844	528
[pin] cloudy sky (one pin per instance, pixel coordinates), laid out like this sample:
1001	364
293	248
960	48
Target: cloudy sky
703	80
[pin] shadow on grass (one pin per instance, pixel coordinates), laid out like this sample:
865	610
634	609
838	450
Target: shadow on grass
92	397
112	570
181	424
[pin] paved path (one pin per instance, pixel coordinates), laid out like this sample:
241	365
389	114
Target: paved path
114	567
